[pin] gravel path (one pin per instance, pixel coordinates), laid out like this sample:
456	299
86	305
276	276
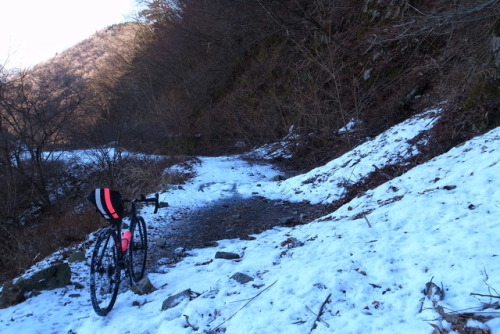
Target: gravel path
231	218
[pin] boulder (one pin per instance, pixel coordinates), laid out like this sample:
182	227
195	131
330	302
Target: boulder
227	256
77	257
209	244
161	242
56	276
242	278
144	287
11	295
289	221
278	178
175	300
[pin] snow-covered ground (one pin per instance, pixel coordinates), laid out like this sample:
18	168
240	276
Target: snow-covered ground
360	269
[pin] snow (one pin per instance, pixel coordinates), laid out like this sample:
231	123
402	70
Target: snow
368	262
327	184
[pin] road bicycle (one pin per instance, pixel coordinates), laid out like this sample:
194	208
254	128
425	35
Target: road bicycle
116	250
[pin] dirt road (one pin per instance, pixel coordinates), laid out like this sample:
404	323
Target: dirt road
235	217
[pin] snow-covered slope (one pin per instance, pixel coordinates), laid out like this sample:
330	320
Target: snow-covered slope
360	269
327	184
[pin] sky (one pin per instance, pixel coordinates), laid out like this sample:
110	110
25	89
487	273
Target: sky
32	31
362	268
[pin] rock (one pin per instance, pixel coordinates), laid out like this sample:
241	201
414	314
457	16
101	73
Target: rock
160	242
210	244
34	293
278	178
242	278
167	187
11	295
77	257
56	276
179	251
78	285
175	300
227	256
289	221
144	287
292	243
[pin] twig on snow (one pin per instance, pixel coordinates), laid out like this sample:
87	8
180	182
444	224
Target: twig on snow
431	290
248	302
367	221
490	288
483	295
188	324
320	313
323	321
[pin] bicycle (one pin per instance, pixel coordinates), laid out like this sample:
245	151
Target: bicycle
116	250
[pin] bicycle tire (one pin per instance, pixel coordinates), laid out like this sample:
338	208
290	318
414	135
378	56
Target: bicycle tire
138	250
105	272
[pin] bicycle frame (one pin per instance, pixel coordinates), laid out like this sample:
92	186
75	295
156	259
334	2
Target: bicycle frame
135	220
122	255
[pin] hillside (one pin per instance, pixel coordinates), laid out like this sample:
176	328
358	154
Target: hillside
402	257
246	72
211	78
222	77
90	58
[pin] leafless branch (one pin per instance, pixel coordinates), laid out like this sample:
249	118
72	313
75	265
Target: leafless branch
320	313
245	305
483	295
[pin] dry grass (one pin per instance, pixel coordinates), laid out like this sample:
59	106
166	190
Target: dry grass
131	174
26	246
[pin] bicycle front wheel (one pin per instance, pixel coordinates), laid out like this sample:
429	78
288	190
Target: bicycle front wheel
105	272
138	250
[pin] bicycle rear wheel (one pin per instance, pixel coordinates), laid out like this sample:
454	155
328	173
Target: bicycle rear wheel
138	250
105	272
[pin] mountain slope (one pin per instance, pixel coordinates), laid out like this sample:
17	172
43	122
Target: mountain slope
360	269
90	57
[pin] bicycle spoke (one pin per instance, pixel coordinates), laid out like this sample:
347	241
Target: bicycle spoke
138	250
104	272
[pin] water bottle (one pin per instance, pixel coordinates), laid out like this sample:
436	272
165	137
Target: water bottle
126	237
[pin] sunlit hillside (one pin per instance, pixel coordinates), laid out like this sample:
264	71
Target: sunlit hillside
107	47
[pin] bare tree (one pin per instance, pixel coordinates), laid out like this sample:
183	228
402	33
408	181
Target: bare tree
35	114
